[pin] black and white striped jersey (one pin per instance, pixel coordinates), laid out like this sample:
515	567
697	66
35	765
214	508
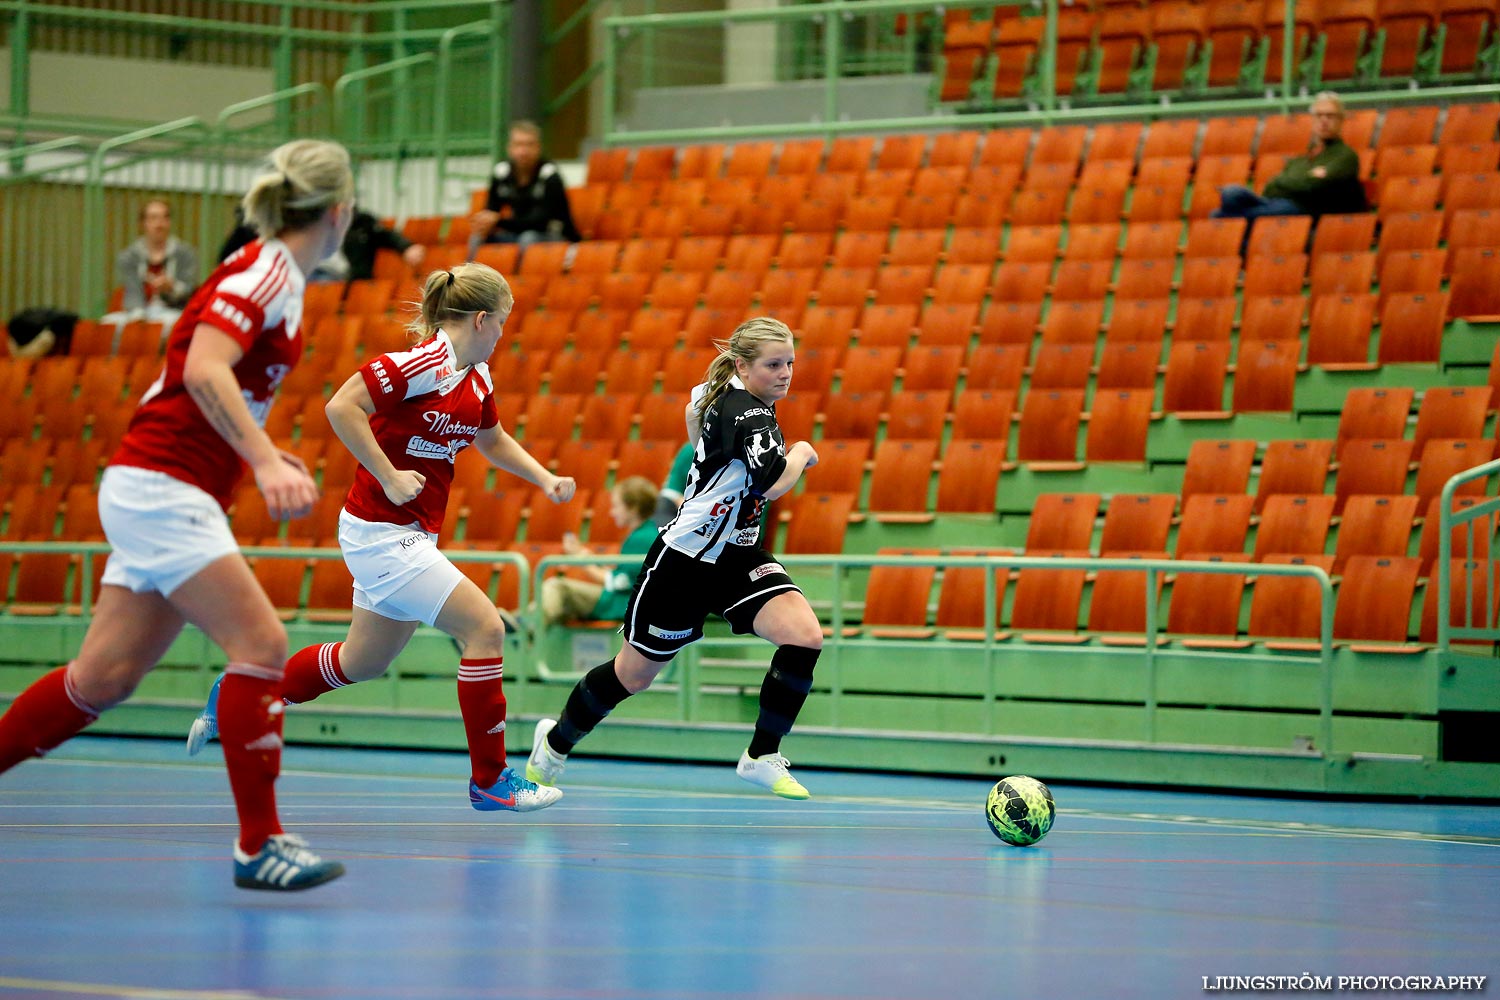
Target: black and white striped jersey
740	454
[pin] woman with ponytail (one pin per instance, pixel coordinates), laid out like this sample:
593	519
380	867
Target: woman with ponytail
162	504
406	415
709	560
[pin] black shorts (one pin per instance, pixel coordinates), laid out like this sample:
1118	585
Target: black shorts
675	593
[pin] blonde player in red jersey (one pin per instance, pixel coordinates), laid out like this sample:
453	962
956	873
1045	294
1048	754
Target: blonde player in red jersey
405	416
162	504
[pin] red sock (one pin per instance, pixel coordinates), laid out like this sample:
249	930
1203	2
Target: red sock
250	715
44	716
481	699
311	672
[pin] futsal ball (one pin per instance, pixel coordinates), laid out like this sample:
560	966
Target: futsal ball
1020	810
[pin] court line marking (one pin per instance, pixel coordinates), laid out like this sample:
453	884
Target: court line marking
127	992
1253	825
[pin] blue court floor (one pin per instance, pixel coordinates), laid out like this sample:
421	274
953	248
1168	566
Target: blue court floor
683	882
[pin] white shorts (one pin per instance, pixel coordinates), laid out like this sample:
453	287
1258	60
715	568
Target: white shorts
398	571
162	530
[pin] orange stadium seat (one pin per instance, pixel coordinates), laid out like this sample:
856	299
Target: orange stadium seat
1117	601
1118	425
1293	524
962	607
1217	467
1374	598
1049	426
1214	523
1373	466
1375	525
970	474
1137	522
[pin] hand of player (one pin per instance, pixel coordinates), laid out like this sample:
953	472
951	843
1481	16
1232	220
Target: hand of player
812	456
289	491
404	486
1319	171
561	489
572	546
414	255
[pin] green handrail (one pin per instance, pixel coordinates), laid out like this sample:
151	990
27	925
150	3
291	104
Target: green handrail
94	263
220	132
167	23
440	113
832	661
89	551
20	155
1448	520
1045	111
342	120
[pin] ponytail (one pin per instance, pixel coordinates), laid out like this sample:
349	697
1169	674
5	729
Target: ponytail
302	180
458	291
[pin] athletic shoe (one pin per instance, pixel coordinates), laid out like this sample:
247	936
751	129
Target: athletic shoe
512	792
284	864
545	765
206	725
771	772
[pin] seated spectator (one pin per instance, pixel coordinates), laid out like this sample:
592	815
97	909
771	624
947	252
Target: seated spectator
604	598
673	489
355	260
1325	180
158	272
527	201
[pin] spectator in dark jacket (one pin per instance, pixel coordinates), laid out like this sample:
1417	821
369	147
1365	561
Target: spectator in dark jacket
528	202
1322	181
356	257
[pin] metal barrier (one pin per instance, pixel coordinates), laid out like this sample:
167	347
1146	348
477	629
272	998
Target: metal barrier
1045	107
838	645
193	156
1448	521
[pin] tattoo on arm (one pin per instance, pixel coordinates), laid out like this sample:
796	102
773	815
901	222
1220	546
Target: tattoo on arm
213	409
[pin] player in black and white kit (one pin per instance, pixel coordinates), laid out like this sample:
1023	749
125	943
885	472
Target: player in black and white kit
709	560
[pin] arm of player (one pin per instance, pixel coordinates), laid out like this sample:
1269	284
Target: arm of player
349	414
208	376
799	458
694	425
504	452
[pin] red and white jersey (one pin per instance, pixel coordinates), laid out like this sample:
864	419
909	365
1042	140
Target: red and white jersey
255	297
427	410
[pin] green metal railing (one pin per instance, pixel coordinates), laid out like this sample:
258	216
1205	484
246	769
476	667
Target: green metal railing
1046	106
190	135
282	124
90	553
1449	520
839	646
193	156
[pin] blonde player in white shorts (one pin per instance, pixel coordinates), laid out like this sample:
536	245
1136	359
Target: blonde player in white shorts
405	415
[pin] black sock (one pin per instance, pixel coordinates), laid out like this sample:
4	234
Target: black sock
592	699
781	696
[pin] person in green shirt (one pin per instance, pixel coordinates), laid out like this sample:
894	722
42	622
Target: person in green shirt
1325	180
675	486
633	504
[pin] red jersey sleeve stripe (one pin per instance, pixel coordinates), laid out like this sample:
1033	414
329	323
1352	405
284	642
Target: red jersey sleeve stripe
424	358
412	373
272	284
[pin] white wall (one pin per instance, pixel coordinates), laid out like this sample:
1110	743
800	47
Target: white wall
134	89
750	49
